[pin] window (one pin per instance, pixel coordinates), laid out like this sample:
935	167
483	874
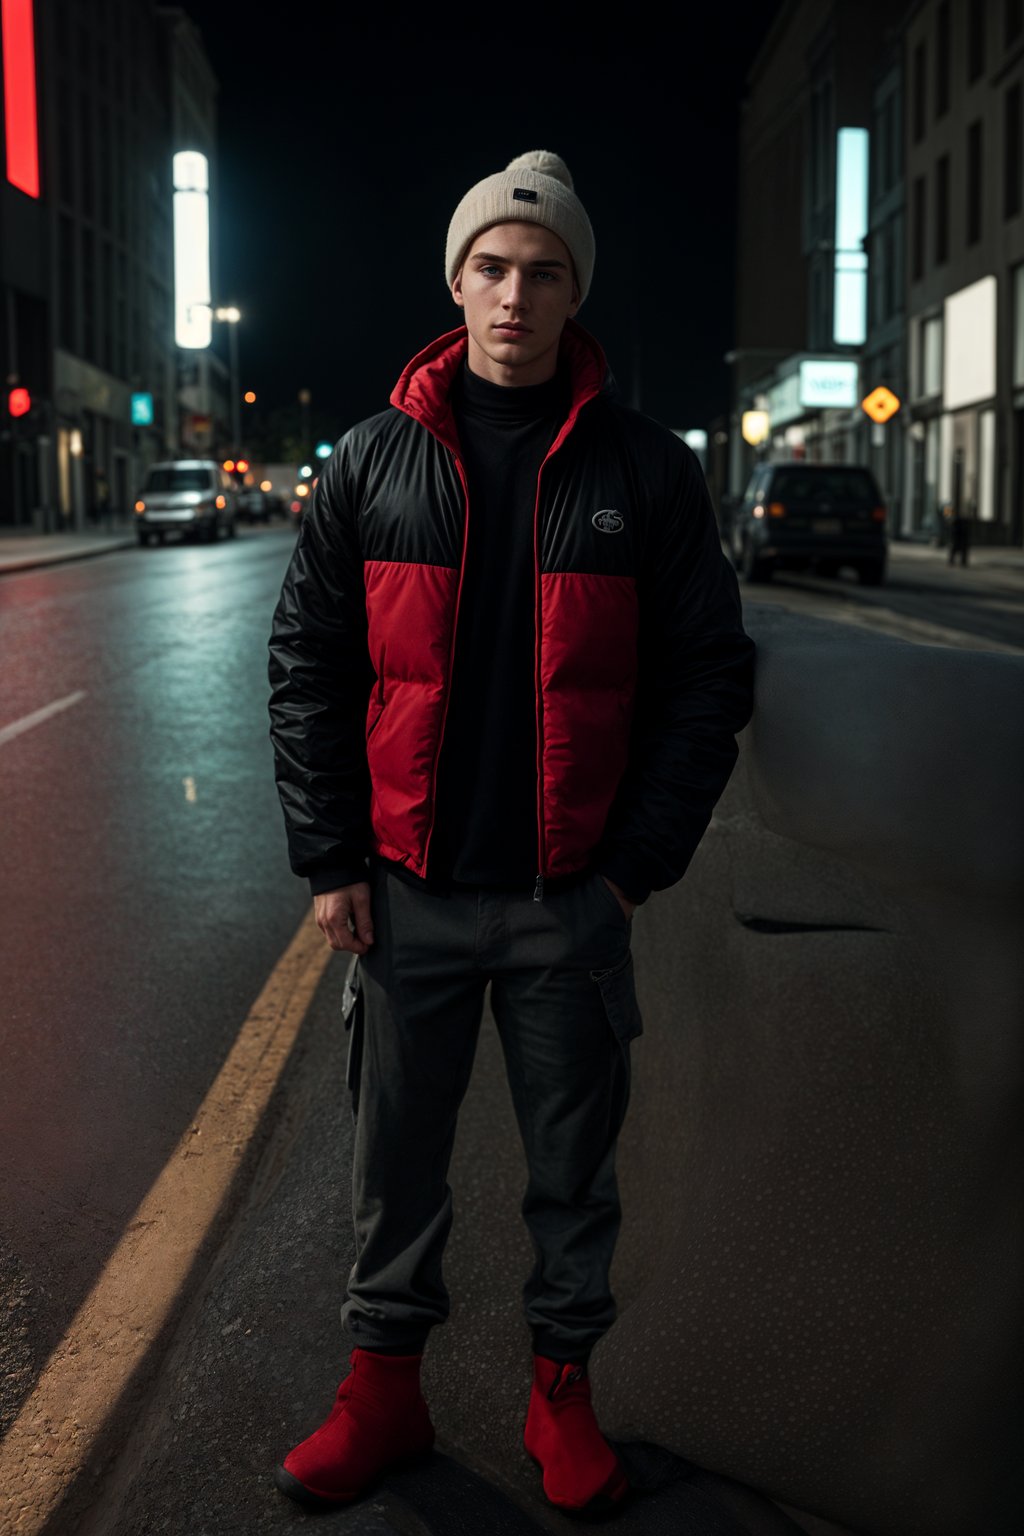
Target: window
85	156
931	356
889	270
917	235
1014	17
919	92
987	466
88	295
942	60
104	168
808	484
107	271
1011	153
941	210
66	283
975	40
974	183
167	478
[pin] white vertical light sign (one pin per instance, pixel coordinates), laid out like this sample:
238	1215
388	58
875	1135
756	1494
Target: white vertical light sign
193	318
849	314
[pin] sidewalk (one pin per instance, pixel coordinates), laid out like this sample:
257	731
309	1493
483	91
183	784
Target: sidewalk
26	551
995	558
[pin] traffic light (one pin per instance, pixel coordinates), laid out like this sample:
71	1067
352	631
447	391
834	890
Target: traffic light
19	402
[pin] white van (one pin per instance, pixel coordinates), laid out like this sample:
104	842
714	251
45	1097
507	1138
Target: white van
194	498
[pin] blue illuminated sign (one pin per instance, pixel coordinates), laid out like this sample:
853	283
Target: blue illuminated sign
142	410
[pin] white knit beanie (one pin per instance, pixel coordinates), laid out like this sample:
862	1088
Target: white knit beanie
537	188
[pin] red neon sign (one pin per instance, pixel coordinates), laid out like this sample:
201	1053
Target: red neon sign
20	96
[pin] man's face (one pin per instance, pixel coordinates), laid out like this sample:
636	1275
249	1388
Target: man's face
518	288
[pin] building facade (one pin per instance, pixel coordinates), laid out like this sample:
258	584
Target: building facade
965	273
914	279
87	262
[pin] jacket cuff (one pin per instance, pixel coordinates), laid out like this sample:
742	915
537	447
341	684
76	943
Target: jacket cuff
332	876
627	872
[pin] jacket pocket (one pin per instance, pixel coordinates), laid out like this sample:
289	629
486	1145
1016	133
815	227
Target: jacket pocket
352	1013
618	993
374	722
609	896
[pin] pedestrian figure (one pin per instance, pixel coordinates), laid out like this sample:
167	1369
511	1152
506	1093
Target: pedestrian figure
959	535
102	495
507	671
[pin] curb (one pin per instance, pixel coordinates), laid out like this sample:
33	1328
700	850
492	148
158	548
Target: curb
36	562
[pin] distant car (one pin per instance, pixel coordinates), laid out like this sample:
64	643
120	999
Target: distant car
797	516
256	506
194	498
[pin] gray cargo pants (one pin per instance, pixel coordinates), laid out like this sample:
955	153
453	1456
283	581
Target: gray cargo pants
563	998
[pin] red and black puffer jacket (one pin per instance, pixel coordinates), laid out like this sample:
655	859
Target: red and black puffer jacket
643	671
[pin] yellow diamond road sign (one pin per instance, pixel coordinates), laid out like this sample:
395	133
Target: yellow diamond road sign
880	404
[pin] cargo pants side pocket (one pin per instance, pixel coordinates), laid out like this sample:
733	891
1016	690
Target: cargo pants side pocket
618	993
352	1013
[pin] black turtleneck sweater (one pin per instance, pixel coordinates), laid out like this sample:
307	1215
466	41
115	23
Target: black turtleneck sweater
485	828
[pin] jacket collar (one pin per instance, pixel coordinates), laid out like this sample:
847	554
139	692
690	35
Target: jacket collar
422	390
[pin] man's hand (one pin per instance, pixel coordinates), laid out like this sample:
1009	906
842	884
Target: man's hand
333	909
629	907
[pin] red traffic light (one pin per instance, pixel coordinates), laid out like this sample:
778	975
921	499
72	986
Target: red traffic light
19	402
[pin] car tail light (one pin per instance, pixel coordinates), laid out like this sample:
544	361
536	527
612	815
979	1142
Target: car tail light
776	509
878	515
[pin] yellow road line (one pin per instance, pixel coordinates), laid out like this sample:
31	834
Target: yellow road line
53	1436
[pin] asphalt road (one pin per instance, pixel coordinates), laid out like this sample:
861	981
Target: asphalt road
147	897
980	607
146	892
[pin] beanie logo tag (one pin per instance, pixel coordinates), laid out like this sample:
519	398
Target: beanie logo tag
523	195
608	521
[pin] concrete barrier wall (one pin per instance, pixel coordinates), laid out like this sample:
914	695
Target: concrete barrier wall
819	1268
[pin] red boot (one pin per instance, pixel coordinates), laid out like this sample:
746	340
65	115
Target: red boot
581	1471
379	1418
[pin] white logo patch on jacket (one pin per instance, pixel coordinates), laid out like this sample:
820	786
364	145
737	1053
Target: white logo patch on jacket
608	520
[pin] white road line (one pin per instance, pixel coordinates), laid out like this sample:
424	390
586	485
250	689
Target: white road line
63	1419
8	732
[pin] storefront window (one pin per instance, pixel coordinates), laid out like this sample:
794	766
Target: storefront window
987	466
931	356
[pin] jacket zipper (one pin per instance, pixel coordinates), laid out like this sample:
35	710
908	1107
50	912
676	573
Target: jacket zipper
538	889
451	661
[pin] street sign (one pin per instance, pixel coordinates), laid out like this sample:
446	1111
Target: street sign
880	404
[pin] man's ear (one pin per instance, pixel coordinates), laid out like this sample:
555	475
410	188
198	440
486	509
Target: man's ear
457	289
575	301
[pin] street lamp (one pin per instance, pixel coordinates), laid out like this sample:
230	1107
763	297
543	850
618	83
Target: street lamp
305	396
232	315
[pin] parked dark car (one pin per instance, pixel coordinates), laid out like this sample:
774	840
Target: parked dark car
193	498
256	506
797	516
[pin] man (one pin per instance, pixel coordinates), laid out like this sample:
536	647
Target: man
507	668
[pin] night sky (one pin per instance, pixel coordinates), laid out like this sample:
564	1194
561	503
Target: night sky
346	139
